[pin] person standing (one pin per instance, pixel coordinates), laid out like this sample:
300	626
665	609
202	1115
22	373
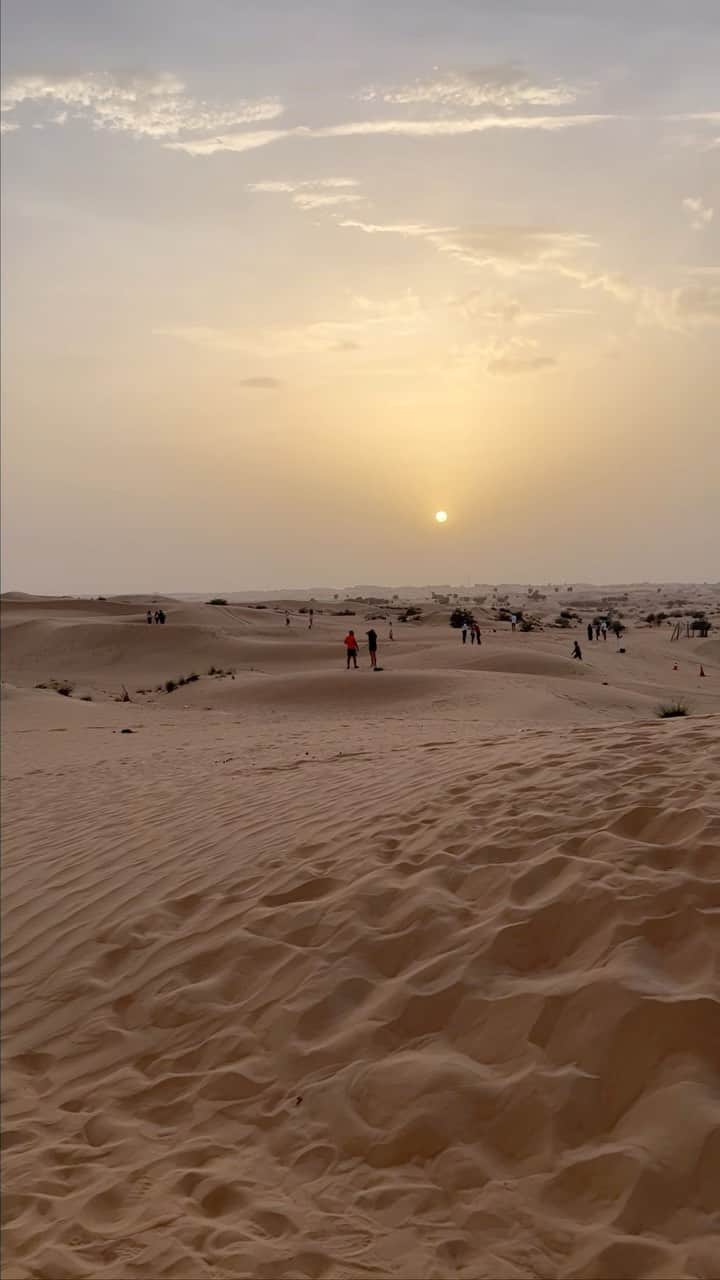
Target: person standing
589	631
577	651
604	629
464	632
148	615
390	634
478	636
287	618
372	646
472	632
597	630
351	649
311	621
513	620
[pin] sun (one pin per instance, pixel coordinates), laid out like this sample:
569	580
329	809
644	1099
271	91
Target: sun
441	516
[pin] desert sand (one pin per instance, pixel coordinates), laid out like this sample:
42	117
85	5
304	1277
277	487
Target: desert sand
324	975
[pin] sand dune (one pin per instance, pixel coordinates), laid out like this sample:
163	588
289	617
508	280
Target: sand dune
408	974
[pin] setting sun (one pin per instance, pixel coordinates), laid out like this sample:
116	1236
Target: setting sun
441	516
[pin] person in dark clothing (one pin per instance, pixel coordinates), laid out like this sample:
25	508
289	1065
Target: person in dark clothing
157	616
478	636
589	631
597	630
577	651
161	617
311	620
372	646
149	616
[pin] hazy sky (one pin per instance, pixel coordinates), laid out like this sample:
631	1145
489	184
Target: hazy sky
284	278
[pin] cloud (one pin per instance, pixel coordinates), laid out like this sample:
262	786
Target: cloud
321	200
504	86
508	249
312	193
261	384
700	214
8	126
154	106
439	128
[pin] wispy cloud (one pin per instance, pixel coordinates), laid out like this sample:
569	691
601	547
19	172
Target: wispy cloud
700	214
506	86
313	193
154	106
438	128
506	248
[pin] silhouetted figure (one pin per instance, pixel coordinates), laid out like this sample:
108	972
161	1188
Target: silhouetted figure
472	632
149	616
464	632
577	651
311	621
372	646
161	617
478	636
287	619
157	616
513	621
390	635
597	630
351	649
589	630
604	629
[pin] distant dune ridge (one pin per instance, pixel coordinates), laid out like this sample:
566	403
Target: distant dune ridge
336	974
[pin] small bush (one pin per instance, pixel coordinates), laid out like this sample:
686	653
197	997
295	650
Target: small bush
669	710
170	686
217	600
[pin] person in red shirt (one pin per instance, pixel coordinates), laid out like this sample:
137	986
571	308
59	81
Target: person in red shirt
351	648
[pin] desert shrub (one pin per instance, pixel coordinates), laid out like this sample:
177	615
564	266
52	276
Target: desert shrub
217	600
668	710
343	613
561	621
86	697
170	686
63	687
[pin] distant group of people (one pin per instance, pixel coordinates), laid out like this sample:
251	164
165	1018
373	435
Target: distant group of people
598	628
352	647
473	630
158	616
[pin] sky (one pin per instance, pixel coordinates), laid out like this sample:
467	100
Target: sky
283	278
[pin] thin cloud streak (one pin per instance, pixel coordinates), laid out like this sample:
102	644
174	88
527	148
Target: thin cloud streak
445	128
